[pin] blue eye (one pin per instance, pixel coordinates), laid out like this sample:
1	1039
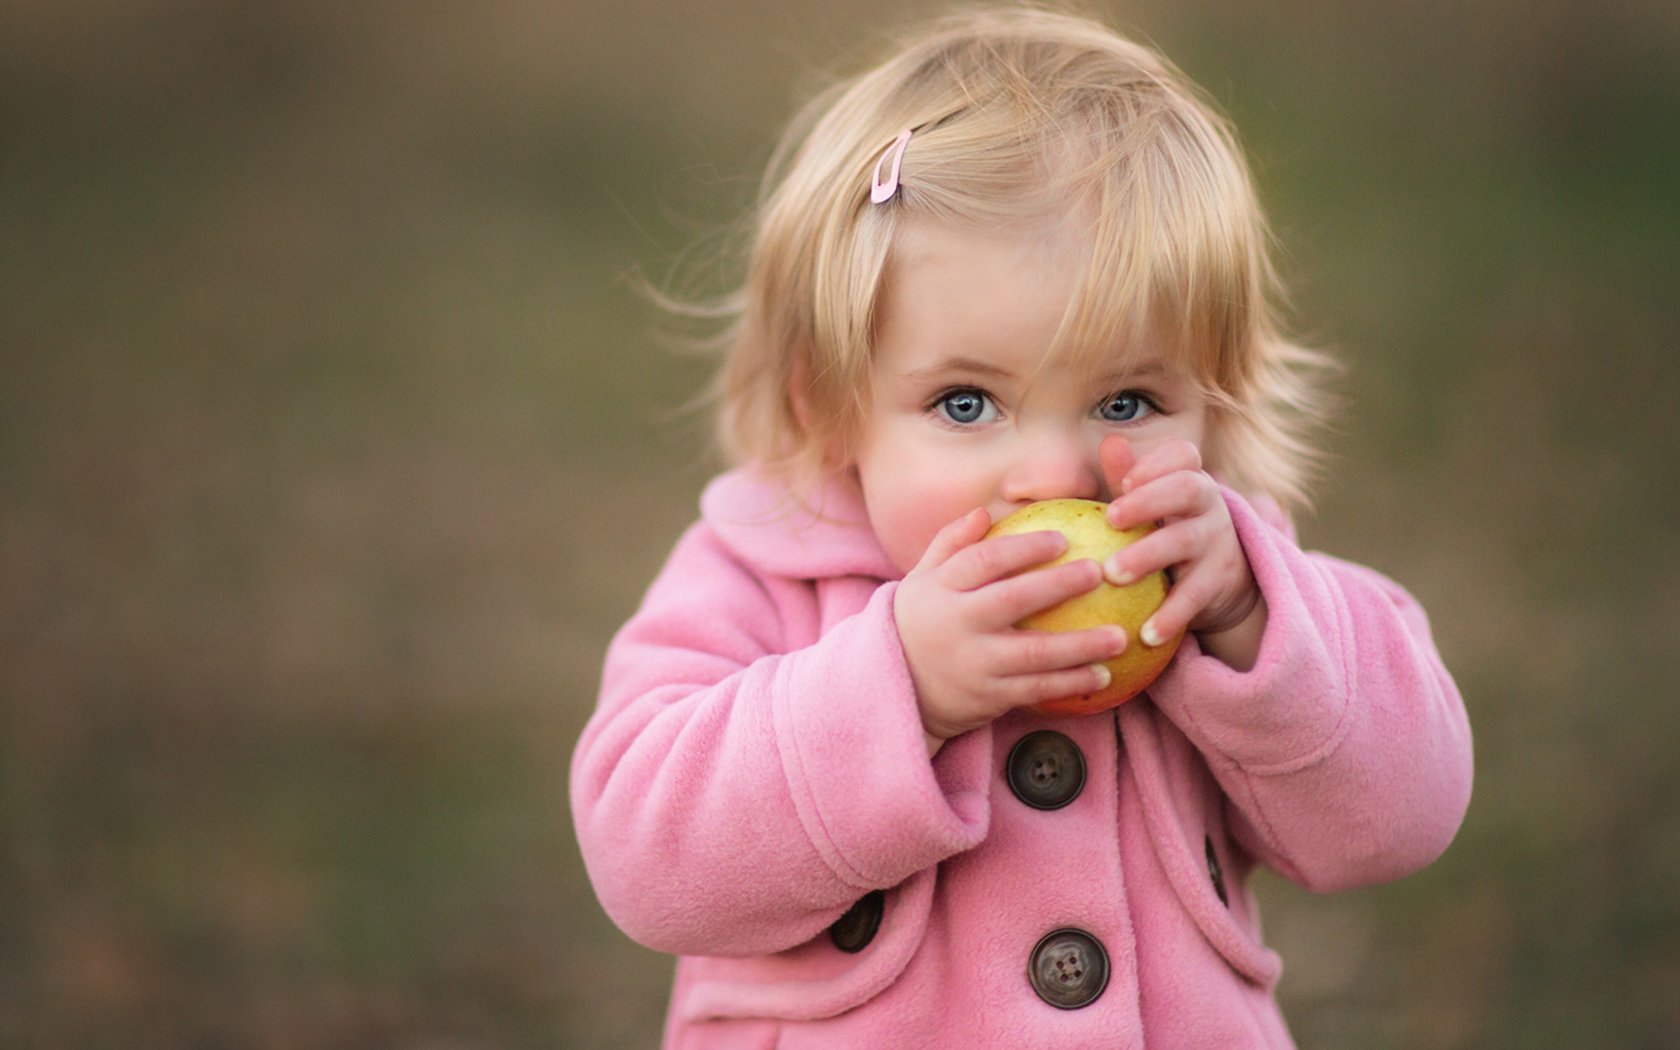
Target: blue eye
966	406
1127	406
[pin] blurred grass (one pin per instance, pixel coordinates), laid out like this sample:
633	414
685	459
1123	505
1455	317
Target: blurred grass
334	443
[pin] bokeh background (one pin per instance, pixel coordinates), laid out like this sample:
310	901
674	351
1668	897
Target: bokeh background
336	439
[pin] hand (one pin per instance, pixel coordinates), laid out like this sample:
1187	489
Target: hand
956	613
1213	591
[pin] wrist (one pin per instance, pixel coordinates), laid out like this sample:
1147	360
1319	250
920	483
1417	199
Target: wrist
1237	645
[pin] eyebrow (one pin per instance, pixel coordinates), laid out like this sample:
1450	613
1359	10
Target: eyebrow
960	365
1147	370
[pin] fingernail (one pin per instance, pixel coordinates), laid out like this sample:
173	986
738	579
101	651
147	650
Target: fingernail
1150	635
1104	676
1120	640
1117	574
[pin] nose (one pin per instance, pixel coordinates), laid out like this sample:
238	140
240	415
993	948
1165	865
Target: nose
1053	466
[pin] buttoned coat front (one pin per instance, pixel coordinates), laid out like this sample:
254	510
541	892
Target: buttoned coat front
756	767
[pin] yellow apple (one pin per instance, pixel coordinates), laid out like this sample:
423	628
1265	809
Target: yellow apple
1089	535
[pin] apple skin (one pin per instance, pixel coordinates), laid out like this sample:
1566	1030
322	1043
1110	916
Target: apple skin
1085	524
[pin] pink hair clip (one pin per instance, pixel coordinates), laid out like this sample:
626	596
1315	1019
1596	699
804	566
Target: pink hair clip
882	189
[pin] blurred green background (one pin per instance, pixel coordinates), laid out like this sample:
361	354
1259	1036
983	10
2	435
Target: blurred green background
335	440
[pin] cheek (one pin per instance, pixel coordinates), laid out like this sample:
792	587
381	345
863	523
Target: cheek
1194	426
908	518
1184	427
914	484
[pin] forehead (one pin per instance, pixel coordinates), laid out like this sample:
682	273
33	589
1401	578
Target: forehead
921	244
944	281
1011	295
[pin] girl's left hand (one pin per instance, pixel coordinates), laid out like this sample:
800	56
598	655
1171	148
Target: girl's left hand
1213	591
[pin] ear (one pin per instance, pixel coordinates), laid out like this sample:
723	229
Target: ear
799	391
800	400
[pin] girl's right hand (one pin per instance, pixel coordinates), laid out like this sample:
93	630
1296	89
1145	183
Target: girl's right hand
956	613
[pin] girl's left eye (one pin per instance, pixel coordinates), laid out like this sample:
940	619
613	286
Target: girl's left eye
1127	406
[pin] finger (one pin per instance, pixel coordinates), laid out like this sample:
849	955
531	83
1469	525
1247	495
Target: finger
1022	690
1173	544
1188	597
1116	457
1002	556
1007	601
1179	494
1161	460
1034	652
961	533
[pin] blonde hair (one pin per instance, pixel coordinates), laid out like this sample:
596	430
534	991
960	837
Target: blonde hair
1019	115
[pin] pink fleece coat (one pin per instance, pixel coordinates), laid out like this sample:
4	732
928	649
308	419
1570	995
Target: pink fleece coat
756	765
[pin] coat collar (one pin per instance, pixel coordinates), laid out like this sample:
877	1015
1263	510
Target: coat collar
776	531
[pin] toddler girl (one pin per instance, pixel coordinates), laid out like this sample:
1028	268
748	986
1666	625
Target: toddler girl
1020	260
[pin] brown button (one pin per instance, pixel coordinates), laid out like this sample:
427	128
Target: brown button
1216	874
853	931
1068	968
1045	770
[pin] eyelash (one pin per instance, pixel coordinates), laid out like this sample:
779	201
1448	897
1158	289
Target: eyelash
1141	396
935	405
939	399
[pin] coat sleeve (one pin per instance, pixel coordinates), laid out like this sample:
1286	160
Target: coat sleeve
1346	749
733	795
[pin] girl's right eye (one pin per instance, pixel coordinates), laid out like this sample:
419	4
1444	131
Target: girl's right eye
966	407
